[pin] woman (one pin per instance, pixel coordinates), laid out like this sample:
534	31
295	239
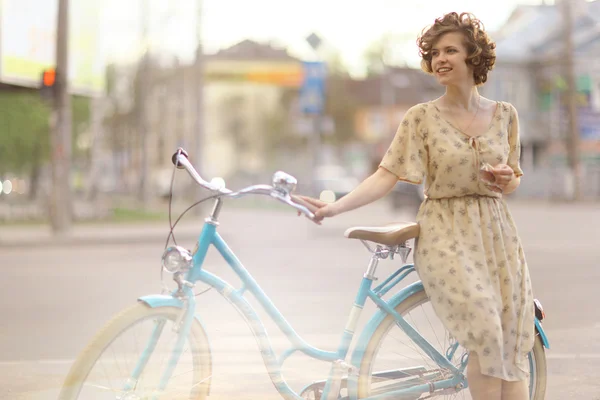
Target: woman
469	255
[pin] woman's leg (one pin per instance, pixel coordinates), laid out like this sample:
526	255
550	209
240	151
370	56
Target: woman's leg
482	387
518	390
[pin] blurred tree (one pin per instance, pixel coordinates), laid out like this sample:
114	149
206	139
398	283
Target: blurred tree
120	117
335	64
232	112
123	100
340	103
279	126
376	56
81	123
24	133
340	106
388	50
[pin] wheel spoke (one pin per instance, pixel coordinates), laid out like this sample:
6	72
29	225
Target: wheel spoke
109	362
391	349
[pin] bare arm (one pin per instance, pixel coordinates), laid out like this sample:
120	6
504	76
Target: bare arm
406	157
371	189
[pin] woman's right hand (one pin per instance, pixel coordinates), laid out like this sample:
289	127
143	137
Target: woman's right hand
380	183
325	210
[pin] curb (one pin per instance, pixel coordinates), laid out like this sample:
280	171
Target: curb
82	235
91	240
117	234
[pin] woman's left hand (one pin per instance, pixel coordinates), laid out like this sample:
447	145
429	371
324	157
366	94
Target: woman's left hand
503	175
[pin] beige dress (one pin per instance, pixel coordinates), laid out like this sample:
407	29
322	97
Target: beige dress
469	254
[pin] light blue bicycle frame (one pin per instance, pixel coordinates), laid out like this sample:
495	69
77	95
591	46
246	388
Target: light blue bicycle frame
407	388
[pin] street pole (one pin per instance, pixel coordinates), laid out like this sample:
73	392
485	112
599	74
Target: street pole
572	139
199	118
315	139
60	129
142	114
316	149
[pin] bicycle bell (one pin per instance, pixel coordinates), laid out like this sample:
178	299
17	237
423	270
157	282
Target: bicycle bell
284	182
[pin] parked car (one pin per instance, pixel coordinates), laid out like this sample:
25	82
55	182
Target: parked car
335	178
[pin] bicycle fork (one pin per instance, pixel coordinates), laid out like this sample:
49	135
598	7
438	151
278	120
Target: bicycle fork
182	327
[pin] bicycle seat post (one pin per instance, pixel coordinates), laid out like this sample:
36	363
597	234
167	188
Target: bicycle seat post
380	253
370	273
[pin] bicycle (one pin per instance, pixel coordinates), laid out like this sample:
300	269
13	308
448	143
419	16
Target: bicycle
365	373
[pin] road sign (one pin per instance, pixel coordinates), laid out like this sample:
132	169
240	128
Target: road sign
314	40
312	91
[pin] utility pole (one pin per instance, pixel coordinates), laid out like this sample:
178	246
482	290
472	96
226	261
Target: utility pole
60	129
572	139
199	121
142	111
315	102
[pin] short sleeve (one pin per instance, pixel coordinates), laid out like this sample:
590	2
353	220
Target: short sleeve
514	141
407	157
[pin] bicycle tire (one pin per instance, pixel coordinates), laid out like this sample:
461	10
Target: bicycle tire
417	299
119	324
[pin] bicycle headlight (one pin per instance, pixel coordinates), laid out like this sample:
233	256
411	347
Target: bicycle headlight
176	259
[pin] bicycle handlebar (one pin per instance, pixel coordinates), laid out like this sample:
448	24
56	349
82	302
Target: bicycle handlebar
181	161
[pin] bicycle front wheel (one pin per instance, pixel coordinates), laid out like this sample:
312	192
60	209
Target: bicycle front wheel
393	359
104	369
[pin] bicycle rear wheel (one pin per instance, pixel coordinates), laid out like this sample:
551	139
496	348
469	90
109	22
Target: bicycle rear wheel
390	349
104	367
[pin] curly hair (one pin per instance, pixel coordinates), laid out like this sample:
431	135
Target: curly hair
481	54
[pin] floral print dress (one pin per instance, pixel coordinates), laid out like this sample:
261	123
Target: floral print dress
469	255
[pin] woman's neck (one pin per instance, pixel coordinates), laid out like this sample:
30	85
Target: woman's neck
463	97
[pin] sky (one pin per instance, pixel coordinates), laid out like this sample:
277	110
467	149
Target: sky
348	26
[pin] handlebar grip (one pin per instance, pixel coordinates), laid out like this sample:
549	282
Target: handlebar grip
306	204
174	157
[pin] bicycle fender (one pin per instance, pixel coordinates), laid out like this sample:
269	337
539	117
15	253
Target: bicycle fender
540	330
161	300
369	329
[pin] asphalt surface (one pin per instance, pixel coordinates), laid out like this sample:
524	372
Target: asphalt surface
56	292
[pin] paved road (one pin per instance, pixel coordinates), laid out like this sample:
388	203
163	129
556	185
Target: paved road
56	294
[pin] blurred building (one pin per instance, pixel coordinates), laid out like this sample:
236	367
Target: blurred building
246	90
243	90
529	73
251	95
383	101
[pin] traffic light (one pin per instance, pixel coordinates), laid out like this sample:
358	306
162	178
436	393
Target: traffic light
48	83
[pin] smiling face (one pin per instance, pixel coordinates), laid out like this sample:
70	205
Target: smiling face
448	60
